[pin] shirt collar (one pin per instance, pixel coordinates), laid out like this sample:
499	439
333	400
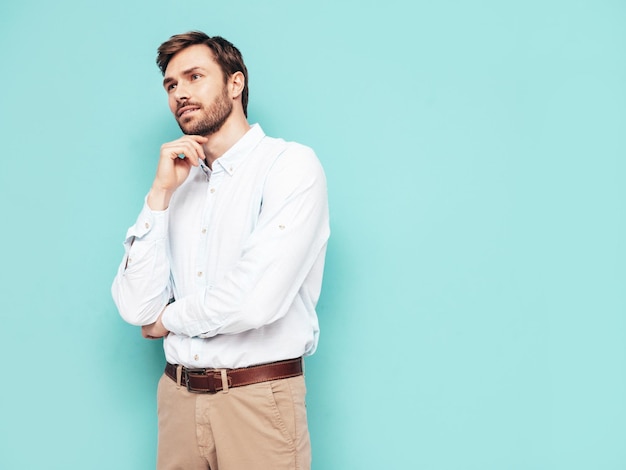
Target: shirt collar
237	154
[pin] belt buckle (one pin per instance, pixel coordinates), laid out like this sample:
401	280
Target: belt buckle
195	372
200	373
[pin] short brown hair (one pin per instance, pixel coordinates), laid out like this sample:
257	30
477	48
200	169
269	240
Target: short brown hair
225	53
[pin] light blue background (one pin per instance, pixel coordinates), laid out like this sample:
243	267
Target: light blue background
473	306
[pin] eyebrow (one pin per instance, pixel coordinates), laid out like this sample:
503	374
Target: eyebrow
189	71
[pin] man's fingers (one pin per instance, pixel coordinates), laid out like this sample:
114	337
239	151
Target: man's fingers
199	138
196	142
186	149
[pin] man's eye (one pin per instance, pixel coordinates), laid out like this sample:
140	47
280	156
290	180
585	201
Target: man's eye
195	76
171	86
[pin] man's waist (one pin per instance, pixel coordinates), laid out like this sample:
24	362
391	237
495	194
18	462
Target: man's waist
208	380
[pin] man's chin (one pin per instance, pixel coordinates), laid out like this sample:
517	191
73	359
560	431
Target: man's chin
189	129
204	131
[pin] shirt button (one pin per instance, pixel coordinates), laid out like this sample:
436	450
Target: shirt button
203	231
199	273
196	357
212	190
147	225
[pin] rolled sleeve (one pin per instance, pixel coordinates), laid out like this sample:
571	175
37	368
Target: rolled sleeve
150	225
141	288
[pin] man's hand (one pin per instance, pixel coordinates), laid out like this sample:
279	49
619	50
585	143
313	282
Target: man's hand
173	170
155	330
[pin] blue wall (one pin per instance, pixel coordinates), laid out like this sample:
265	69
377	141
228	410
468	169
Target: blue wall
473	313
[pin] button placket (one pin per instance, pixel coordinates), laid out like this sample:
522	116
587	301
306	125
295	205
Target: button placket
202	260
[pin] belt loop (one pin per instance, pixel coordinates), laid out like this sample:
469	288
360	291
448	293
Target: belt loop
224	380
302	362
179	374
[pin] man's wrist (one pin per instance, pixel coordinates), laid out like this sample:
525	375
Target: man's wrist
158	199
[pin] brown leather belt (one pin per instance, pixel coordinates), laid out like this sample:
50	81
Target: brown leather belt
210	380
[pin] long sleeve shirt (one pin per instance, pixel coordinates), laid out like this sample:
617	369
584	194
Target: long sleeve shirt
235	262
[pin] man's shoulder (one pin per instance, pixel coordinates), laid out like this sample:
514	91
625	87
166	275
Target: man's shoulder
281	148
293	161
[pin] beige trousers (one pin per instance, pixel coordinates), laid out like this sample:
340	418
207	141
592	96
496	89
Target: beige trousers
255	427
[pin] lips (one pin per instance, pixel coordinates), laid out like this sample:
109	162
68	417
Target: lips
186	110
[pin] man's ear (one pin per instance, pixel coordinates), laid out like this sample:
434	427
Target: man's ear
237	83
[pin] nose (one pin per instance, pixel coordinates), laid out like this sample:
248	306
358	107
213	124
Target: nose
181	93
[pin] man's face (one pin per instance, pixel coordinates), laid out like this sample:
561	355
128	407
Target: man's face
197	94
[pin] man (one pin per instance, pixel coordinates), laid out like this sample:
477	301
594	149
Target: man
225	263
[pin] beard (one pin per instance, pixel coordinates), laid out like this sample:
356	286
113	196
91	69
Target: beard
211	119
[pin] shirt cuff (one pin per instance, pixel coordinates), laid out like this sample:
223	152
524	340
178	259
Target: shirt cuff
150	225
168	318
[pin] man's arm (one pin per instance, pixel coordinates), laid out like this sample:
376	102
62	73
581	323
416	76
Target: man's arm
141	288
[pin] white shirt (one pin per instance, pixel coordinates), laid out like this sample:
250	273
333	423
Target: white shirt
241	251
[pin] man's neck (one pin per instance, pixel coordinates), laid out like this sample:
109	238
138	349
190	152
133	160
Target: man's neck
230	133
